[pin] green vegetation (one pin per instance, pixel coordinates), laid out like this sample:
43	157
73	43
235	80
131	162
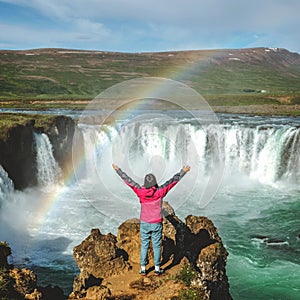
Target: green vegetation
253	99
8	121
190	294
186	275
58	78
240	99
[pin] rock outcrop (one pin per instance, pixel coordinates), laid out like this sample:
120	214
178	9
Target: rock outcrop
18	154
22	283
193	257
98	257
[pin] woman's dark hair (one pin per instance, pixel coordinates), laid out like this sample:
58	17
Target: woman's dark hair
150	181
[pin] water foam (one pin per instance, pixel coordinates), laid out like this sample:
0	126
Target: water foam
6	184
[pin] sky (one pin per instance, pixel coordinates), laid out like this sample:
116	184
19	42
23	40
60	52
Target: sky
149	26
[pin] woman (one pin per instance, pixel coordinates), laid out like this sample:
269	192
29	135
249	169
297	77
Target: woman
151	196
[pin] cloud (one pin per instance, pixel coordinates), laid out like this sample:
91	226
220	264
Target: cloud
229	13
160	25
31	37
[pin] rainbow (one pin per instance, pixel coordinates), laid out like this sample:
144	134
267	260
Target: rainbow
124	99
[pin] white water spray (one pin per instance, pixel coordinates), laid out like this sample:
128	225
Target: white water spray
267	154
6	184
48	171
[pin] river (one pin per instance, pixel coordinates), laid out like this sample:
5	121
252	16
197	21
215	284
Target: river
244	177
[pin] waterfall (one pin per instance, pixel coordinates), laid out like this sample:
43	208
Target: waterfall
6	184
48	171
141	147
266	153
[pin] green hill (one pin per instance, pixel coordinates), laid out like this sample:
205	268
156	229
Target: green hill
224	77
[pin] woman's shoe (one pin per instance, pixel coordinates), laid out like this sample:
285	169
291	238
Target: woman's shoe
158	272
143	272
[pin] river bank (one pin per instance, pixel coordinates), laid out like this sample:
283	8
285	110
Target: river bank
271	109
261	110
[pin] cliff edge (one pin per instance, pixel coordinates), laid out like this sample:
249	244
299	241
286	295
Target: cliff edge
17	145
193	259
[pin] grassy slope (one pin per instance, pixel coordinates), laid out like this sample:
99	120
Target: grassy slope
220	76
10	120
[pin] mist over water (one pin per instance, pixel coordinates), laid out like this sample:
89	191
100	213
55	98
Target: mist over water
255	206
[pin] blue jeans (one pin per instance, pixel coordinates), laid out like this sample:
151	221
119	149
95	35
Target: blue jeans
147	230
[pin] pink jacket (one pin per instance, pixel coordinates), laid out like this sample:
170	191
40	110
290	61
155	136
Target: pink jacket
151	198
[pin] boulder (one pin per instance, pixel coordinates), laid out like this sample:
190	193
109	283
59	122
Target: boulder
35	295
25	281
128	239
97	257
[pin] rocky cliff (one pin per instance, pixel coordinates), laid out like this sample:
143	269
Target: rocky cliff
193	258
17	151
21	284
17	155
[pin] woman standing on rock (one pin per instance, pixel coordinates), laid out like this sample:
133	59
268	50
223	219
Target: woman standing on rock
151	196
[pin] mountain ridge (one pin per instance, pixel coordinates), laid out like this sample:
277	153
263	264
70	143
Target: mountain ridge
265	74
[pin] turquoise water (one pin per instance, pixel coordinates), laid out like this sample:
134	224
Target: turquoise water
260	228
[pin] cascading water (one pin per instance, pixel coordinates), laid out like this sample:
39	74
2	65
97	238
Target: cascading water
48	171
268	154
6	184
256	209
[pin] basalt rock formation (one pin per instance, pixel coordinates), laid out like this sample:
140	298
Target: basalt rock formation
193	259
